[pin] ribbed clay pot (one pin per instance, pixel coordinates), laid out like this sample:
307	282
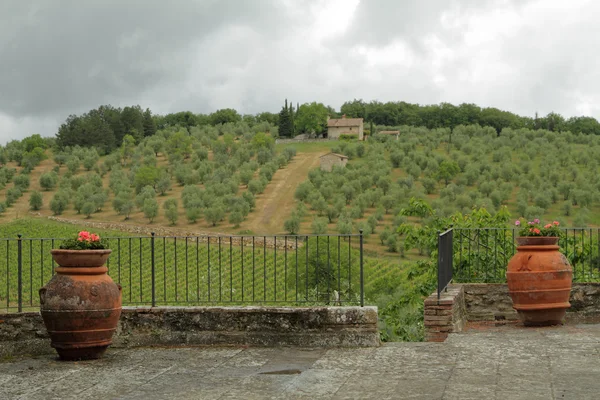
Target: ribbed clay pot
539	281
81	304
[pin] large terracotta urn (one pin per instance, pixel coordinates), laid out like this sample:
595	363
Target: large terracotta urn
539	281
81	304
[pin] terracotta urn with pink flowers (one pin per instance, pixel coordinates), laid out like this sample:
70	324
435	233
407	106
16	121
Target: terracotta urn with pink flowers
81	304
539	276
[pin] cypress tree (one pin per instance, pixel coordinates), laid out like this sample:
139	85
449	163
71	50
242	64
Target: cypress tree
285	122
149	125
292	122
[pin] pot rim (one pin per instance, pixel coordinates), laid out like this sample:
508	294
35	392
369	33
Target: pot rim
87	251
549	239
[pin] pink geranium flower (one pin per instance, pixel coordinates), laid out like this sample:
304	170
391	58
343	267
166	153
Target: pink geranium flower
84	235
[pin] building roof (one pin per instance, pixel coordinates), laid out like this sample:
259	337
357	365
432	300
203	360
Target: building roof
333	154
389	132
344	122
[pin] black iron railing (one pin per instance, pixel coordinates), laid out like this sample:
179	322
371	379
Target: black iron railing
202	270
445	256
482	254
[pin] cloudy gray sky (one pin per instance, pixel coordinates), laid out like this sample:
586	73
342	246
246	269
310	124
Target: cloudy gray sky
61	57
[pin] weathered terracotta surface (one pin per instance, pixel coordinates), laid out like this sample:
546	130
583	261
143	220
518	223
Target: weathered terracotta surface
539	281
81	305
80	258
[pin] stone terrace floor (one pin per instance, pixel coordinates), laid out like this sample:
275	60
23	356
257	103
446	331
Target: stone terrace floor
506	362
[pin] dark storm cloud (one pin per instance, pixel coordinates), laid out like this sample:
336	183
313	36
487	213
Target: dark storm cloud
63	57
69	55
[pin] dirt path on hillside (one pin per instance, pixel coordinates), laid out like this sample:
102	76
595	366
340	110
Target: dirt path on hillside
275	205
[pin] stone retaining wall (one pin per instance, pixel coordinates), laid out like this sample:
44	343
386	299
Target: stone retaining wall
491	302
25	334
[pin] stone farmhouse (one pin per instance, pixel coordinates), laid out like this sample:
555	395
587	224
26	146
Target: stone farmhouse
329	160
345	126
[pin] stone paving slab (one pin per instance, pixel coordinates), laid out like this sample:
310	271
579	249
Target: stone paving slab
505	362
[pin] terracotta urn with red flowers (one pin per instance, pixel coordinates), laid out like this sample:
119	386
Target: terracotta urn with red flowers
81	304
539	276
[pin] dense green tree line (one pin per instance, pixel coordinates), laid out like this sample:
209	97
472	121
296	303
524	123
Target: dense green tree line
106	126
446	115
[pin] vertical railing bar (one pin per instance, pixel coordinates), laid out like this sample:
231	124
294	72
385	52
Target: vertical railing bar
198	268
339	270
591	251
350	255
176	272
471	239
275	268
153	265
296	248
362	278
242	255
253	267
19	273
220	273
328	270
317	270
230	268
495	254
141	277
7	275
165	269
187	279
264	268
119	259
306	266
42	261
208	269
285	255
582	251
598	253
439	265
31	272
130	273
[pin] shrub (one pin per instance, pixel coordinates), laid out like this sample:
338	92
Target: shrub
193	213
48	180
171	211
35	200
21	181
236	218
150	208
59	202
292	224
319	226
88	209
348	138
214	214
